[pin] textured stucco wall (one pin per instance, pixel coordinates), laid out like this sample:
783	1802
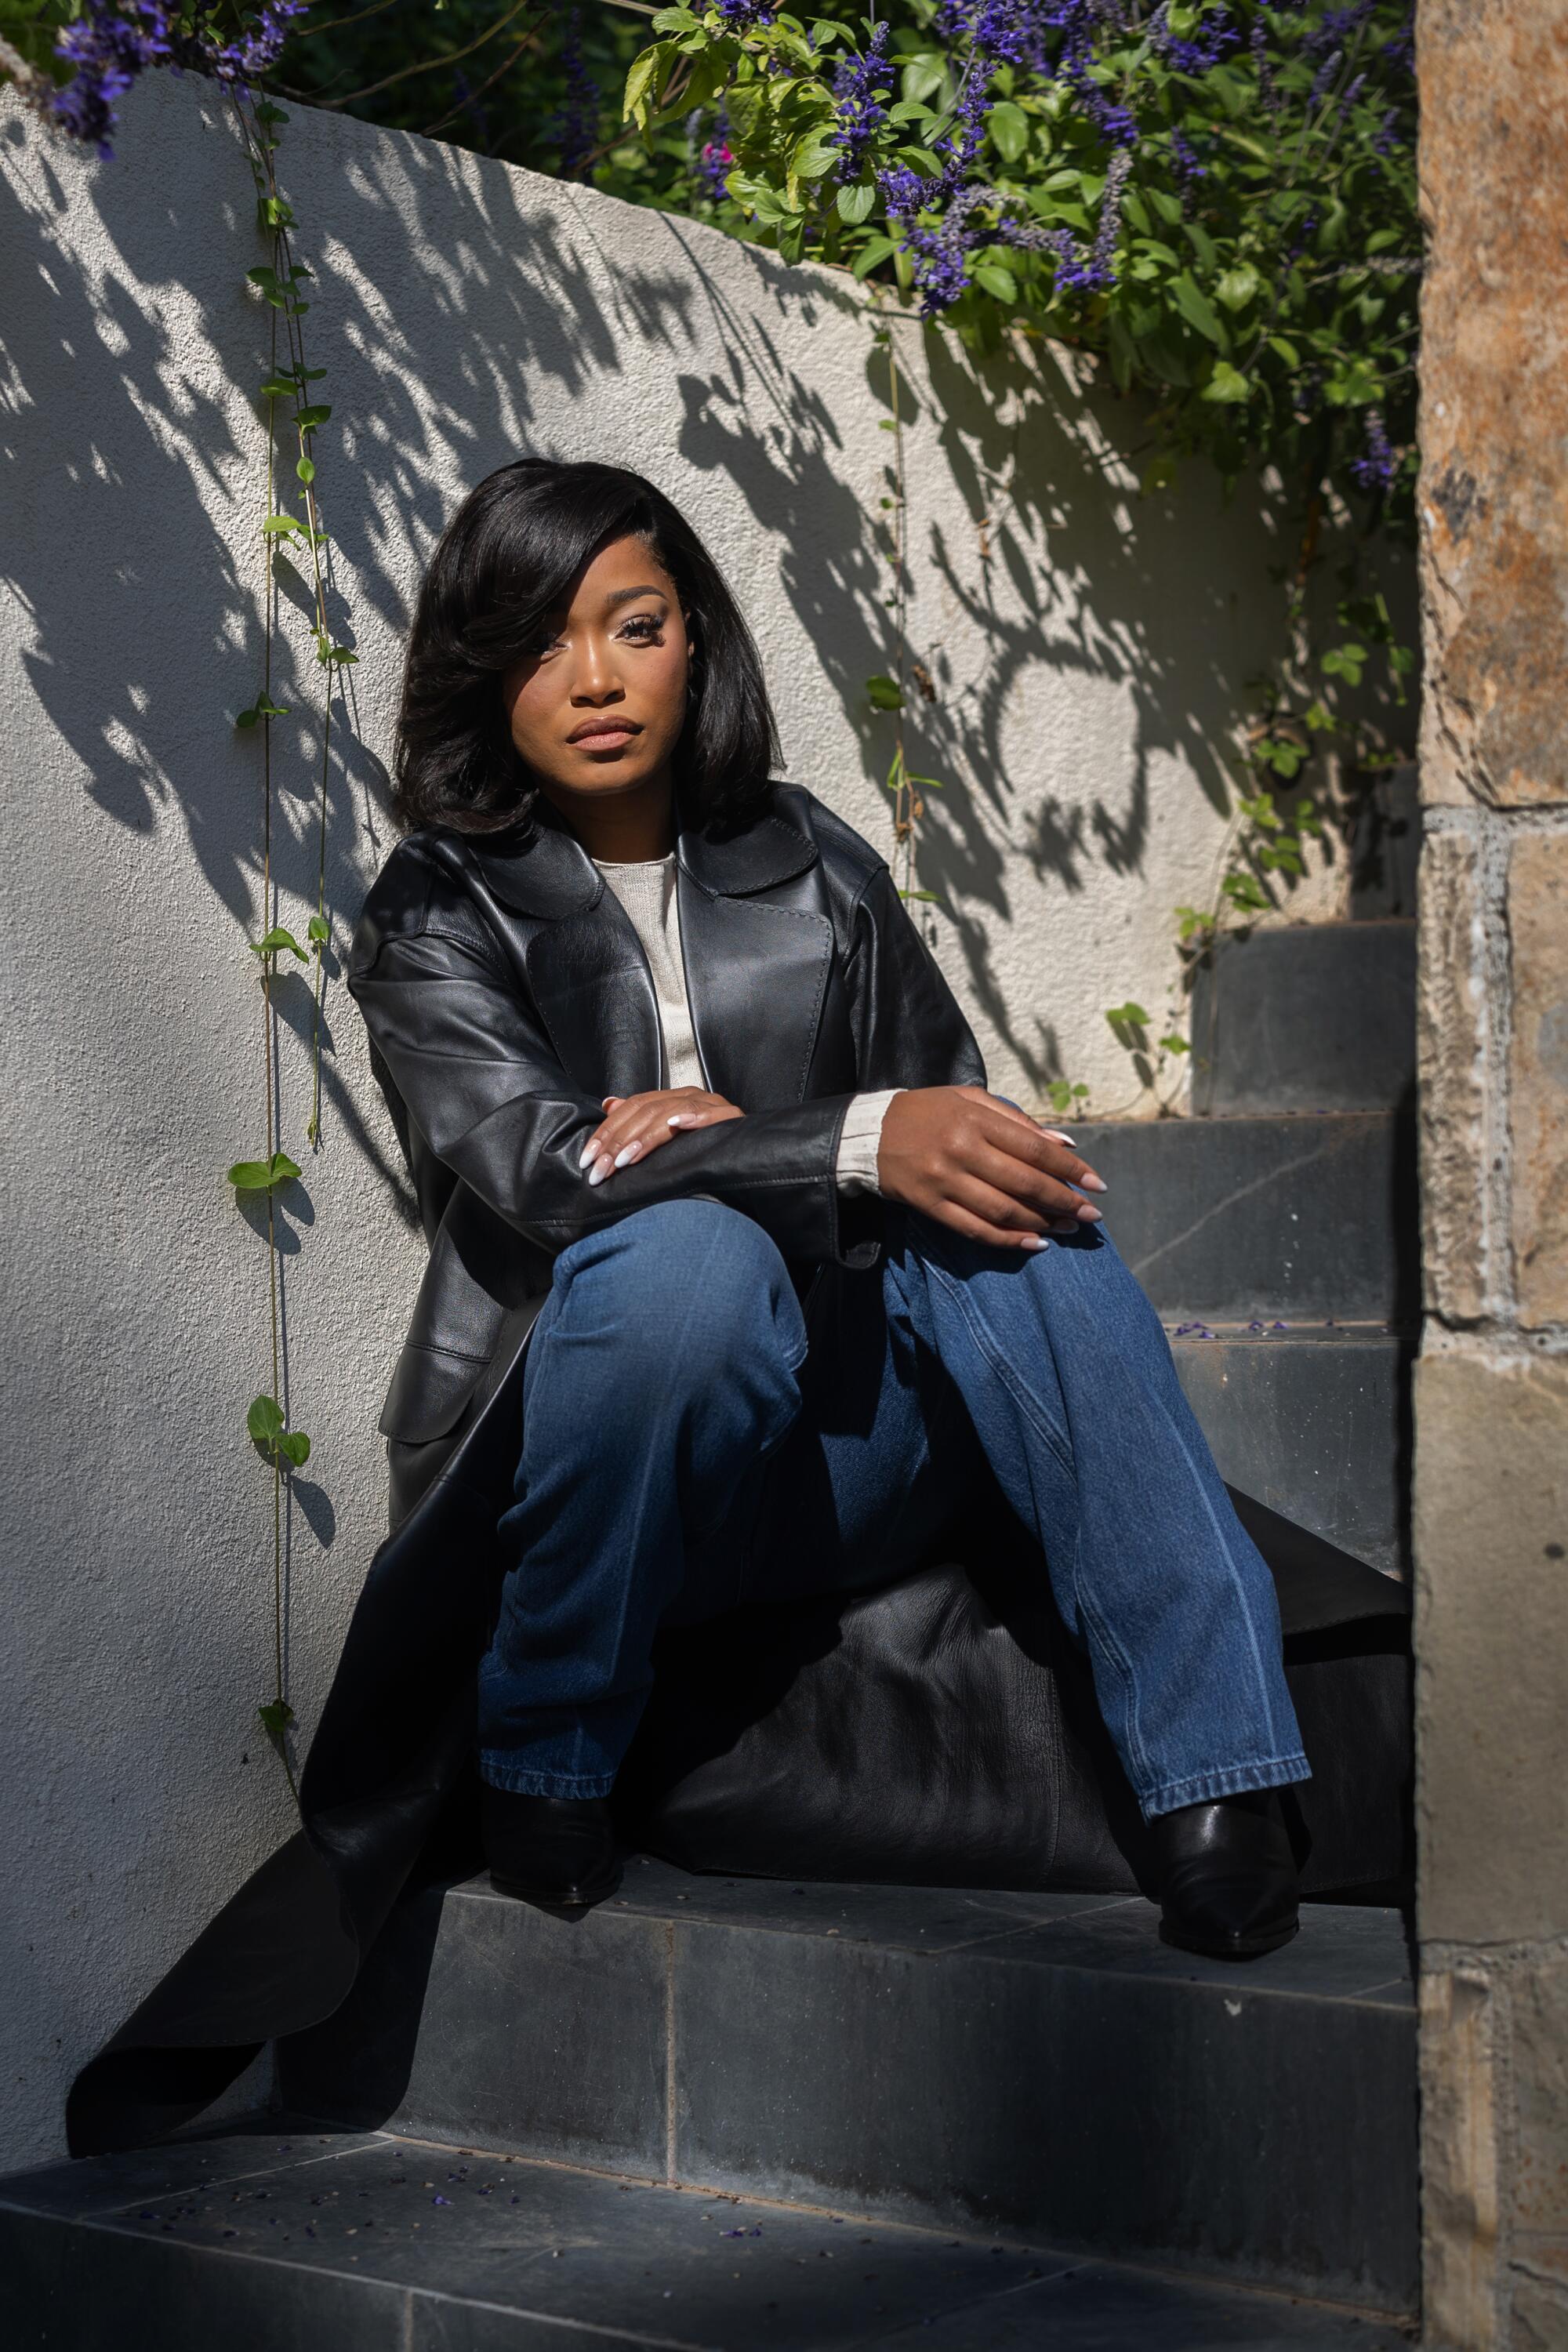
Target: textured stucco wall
1090	655
1491	1387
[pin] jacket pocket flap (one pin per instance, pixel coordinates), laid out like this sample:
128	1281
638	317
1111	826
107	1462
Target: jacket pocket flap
428	1391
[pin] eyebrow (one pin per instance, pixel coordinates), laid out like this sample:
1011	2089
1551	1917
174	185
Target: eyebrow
628	596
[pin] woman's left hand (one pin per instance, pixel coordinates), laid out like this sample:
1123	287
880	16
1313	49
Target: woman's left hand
635	1125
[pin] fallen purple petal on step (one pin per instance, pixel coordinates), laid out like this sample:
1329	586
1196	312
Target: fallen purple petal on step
440	2200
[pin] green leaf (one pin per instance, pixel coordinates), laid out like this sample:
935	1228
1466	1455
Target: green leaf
884	693
282	527
265	1420
296	1446
306	469
876	251
275	1718
997	280
1198	309
306	419
1286	350
277	940
318	928
1009	128
857	203
815	155
262	1175
277	387
639	86
1129	1014
1238	287
1228	386
1174	1044
921	894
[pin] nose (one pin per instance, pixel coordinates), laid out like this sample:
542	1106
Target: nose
596	678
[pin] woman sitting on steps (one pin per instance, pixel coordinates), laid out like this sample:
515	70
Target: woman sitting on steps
687	1101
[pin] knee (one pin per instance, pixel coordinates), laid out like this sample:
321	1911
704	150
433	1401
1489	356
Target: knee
693	1292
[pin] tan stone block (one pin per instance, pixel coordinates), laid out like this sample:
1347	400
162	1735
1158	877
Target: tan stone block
1538	1075
1491	1649
1458	2161
1539	2069
1539	2317
1494	400
1450	1039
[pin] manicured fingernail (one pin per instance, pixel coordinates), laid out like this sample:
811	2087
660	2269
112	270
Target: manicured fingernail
1093	1183
1088	1216
1060	1137
588	1151
601	1168
1035	1242
679	1119
623	1159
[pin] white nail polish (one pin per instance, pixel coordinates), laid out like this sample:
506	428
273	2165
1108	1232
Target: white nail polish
588	1151
1035	1242
623	1159
599	1170
1060	1137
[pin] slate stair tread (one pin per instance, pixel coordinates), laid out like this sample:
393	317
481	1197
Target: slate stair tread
1038	2065
284	2238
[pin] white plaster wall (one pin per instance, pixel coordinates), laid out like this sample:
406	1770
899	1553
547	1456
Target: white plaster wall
465	312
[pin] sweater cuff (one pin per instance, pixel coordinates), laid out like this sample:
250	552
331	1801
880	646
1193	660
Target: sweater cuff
855	1167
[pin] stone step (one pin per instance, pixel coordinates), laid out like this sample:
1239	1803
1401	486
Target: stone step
1315	1017
1037	2067
273	2239
1298	1218
1311	1419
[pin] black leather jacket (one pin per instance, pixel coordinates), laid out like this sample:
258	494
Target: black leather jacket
506	993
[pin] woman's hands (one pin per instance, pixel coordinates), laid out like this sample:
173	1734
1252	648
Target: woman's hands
978	1165
635	1125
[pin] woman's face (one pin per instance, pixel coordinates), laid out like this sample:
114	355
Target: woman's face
597	710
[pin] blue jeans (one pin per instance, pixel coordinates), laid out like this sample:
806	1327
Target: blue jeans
685	1450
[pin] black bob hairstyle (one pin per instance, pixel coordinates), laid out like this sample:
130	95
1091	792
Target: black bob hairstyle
506	561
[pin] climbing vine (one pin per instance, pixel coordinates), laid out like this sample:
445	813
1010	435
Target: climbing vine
292	531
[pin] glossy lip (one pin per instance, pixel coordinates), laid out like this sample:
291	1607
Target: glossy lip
599	731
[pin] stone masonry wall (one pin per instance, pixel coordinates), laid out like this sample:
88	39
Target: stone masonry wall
1491	1410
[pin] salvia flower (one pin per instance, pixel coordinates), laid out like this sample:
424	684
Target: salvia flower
715	158
1216	37
576	124
1374	469
744	16
110	48
859	86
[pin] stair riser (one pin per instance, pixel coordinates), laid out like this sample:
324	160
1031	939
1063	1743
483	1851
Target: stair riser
1302	1218
1317	1018
1317	1429
1262	2138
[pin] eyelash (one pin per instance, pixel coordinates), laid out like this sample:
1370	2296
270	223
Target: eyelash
647	622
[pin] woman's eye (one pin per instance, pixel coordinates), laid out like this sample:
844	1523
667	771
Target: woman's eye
643	629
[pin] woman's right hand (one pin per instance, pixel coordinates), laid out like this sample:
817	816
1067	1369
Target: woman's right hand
981	1167
635	1125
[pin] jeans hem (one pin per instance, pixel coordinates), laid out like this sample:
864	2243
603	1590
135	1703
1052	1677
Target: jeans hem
1229	1780
519	1782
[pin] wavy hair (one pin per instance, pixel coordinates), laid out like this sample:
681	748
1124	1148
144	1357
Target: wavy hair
506	561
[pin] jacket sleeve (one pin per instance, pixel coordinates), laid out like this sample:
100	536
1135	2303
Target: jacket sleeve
480	1081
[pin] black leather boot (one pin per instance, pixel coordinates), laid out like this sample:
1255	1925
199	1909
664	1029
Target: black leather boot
1226	1875
549	1849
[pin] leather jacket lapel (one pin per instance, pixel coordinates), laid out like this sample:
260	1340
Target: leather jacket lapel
756	975
756	969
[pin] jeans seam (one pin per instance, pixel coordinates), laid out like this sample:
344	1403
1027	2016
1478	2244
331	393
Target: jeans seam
1137	1753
